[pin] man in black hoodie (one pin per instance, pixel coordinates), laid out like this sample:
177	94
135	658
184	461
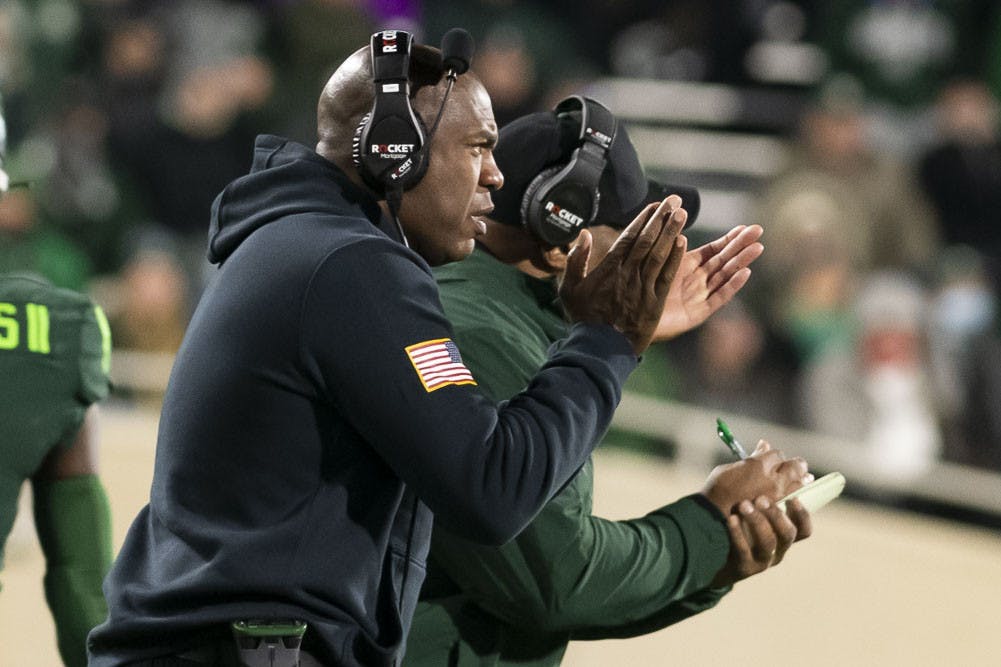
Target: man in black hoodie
318	411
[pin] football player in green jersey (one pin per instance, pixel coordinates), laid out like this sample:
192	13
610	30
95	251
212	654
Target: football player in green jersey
55	350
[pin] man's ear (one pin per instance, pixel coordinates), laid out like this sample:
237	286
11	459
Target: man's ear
555	258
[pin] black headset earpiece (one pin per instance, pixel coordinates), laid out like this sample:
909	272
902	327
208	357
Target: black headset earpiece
535	186
389	142
563	200
391	146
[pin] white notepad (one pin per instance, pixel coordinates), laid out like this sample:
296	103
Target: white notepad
817	493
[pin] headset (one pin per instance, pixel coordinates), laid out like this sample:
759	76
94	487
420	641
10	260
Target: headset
391	146
388	147
562	200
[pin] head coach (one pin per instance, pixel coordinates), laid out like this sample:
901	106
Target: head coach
318	414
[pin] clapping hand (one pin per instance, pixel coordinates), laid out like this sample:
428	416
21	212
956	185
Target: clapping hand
708	278
629	287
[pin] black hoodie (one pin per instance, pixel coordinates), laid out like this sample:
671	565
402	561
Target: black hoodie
298	431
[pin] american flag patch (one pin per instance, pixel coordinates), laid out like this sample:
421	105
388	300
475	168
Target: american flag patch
439	364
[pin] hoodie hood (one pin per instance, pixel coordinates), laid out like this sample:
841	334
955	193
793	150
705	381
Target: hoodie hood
286	178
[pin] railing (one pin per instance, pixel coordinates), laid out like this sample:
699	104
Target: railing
693	429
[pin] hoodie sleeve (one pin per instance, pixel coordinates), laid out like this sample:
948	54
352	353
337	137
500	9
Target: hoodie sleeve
375	337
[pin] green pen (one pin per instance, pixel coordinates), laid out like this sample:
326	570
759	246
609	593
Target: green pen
723	431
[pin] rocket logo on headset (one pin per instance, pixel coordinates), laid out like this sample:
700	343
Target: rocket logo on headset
392	151
389	41
562	217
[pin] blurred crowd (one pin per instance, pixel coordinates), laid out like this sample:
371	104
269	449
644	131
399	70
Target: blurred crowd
873	314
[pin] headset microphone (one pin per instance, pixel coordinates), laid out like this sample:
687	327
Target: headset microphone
456	51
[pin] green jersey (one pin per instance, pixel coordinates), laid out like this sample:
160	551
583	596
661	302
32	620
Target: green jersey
55	351
568	575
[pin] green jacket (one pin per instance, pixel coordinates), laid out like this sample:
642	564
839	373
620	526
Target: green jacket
569	575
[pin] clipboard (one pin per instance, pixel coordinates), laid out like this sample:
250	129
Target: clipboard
817	493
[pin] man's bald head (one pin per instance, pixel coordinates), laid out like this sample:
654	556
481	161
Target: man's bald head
441	214
349	95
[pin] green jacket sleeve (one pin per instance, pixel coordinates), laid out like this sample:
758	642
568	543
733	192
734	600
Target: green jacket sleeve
570	572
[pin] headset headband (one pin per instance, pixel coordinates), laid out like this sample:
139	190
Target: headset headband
597	124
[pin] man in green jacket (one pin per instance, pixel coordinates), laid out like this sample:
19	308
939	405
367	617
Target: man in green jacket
571	575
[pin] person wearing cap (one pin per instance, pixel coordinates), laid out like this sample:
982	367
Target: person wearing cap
570	574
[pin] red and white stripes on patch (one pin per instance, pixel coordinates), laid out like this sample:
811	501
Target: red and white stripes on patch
439	364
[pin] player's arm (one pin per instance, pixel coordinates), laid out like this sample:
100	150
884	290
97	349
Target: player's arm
74	529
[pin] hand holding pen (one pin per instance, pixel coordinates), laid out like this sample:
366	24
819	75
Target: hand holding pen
726	435
746	493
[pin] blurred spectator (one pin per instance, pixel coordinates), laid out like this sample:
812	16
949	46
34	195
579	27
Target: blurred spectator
902	51
962	172
688	40
876	389
509	72
808	272
981	419
877	199
79	190
730	364
839	210
40	45
182	151
30	245
594	25
966	369
310	38
150	311
133	61
721	41
524	50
